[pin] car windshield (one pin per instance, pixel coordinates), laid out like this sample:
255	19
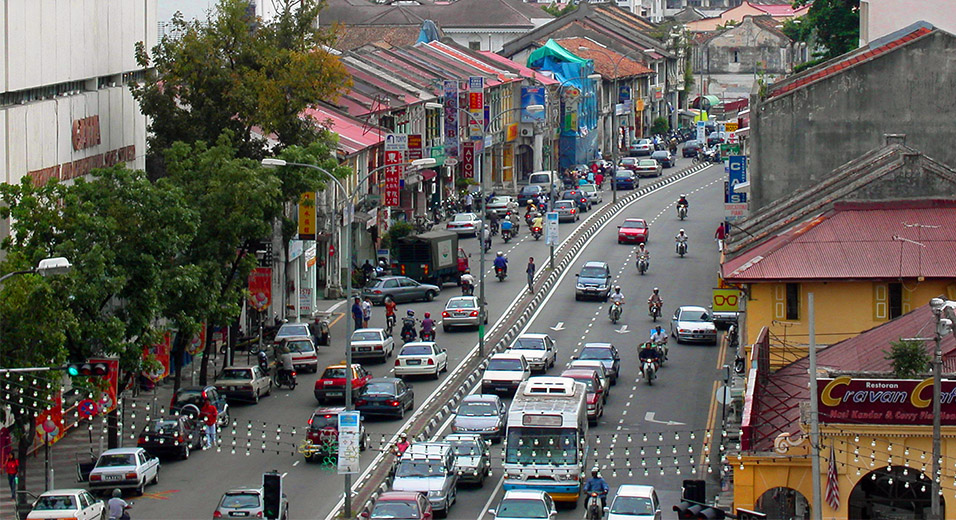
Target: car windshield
529	344
595	353
287	331
324	420
162	427
694	316
562	205
624	174
589	188
416	350
647	162
366	336
395	510
505	365
466	448
379	388
643	141
300	347
240	501
477	409
420	468
333	373
500	200
462	303
632	224
464	217
544	446
632	506
116	459
530	190
236	373
629	160
185	397
55	503
374	282
593	272
522	508
588	381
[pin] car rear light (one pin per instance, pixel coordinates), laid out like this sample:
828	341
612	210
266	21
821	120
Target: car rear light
96	478
393	403
361	402
259	514
131	475
217	514
398	362
473	314
403	269
444	314
431	361
141	440
379	347
376	291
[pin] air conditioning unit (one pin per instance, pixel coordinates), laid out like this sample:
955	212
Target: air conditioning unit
526	132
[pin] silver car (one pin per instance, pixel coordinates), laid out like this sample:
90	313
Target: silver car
499	204
567	210
482	414
247	503
461	311
472	457
246	383
593	192
429	468
693	324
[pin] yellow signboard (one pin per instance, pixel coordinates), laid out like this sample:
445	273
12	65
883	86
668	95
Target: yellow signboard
726	299
307	216
731	127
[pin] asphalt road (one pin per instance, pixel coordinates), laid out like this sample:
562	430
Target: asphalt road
267	434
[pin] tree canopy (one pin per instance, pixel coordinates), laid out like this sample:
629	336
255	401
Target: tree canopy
834	25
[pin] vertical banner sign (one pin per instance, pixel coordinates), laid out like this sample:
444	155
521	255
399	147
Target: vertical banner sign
532	96
735	204
468	160
198	342
50	422
476	106
307	216
260	288
108	387
161	353
349	442
450	89
415	147
702	131
551	228
393	175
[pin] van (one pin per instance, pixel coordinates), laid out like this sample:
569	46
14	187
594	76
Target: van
429	468
543	178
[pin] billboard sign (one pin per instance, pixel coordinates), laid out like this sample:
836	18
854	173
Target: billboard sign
349	423
532	96
551	228
450	89
884	401
468	160
476	106
393	176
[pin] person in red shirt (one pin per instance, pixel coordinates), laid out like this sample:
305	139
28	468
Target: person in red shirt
209	415
599	179
12	466
720	235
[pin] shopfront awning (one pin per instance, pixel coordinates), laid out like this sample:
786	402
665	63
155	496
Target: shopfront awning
428	175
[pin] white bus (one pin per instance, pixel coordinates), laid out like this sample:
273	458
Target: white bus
546	438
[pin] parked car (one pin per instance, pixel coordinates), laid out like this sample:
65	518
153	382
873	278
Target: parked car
292	330
595	398
402	505
648	168
714	138
75	504
633	230
691	323
596	366
372	343
607	354
421	358
483	414
429	468
691	148
592	192
176	435
332	383
188	400
529	193
399	289
567	210
499	204
594	280
124	468
640	147
472	457
322	435
305	358
247	503
664	158
244	383
538	349
524	504
583	200
385	396
504	372
464	224
635	502
625	180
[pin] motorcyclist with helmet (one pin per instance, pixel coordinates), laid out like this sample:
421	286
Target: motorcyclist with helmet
681	238
659	339
597	485
408	326
467	282
654	301
649	352
428	328
616	299
643	254
501	263
117	507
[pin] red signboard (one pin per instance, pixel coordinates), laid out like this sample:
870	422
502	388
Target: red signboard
393	175
260	288
884	401
50	422
108	389
468	160
161	353
414	146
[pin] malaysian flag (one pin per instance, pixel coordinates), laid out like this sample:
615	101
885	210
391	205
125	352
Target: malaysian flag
833	483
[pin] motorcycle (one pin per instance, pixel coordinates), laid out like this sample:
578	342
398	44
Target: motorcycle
500	273
615	312
536	232
494	227
390	324
655	310
593	509
427	335
467	289
408	330
661	346
528	219
649	371
642	265
682	248
284	378
263	360
681	211
506	235
488	244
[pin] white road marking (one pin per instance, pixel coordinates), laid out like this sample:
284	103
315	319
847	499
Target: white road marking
483	511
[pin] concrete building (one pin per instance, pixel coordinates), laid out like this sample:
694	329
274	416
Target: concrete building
807	125
777	11
879	17
65	107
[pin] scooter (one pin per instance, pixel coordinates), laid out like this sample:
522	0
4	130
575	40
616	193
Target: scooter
467	289
649	371
501	274
593	509
427	335
682	248
661	350
408	330
655	311
641	265
488	244
390	324
615	312
536	232
284	378
681	211
506	235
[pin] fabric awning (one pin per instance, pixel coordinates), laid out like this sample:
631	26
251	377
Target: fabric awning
428	175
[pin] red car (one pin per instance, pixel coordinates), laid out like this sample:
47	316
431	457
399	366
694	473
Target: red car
596	394
401	504
633	230
322	436
331	386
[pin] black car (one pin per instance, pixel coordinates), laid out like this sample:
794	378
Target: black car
579	197
691	148
530	192
665	158
607	354
189	400
385	396
171	436
714	139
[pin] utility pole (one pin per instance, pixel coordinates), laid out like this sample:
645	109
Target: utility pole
814	413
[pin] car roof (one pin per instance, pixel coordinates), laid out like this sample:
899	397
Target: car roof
565	201
692	308
68	491
634	490
579	371
507	355
635	220
341	365
482	398
236	491
595	263
462	436
463	298
236	367
329	410
598	345
392	380
398	495
535	335
417	343
121	451
524	494
370	329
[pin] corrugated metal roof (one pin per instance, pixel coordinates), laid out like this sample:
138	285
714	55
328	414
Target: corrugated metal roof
352	132
879	240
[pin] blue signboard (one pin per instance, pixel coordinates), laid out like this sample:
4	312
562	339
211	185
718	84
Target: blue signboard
532	96
736	174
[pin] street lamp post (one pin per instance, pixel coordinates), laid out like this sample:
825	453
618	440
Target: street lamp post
945	312
416	164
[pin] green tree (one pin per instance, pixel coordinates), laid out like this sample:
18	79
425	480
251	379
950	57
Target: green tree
909	359
833	24
660	126
235	73
556	10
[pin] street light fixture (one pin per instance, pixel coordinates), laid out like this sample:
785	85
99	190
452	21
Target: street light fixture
272	162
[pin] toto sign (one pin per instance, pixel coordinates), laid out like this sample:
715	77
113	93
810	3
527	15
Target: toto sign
884	401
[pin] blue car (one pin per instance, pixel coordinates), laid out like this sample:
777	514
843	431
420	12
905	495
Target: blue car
625	180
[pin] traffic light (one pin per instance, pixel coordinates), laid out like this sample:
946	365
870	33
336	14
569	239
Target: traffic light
711	513
88	369
271	494
687	511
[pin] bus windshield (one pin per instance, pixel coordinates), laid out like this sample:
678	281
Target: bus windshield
553	446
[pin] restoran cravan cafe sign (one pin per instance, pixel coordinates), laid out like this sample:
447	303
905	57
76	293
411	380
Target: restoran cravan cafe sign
884	401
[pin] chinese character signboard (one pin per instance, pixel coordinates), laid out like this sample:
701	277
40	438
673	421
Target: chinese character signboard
307	216
884	401
468	160
450	88
476	106
414	146
393	175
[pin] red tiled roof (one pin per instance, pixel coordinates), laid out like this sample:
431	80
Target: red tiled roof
788	387
353	134
847	60
860	240
605	60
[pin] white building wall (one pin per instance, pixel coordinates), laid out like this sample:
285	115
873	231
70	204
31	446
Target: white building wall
881	17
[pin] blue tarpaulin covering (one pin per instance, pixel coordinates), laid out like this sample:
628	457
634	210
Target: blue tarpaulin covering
429	32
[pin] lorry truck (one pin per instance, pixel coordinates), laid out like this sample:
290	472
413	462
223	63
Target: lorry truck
430	257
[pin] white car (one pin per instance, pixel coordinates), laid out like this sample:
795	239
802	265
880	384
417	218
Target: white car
505	371
593	193
538	349
78	504
124	468
372	343
246	383
464	224
634	502
522	504
692	323
304	355
499	204
421	358
461	311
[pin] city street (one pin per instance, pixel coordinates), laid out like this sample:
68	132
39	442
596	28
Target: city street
266	435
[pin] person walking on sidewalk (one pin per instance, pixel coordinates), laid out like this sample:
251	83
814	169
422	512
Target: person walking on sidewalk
366	312
530	274
719	236
12	466
357	315
209	415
